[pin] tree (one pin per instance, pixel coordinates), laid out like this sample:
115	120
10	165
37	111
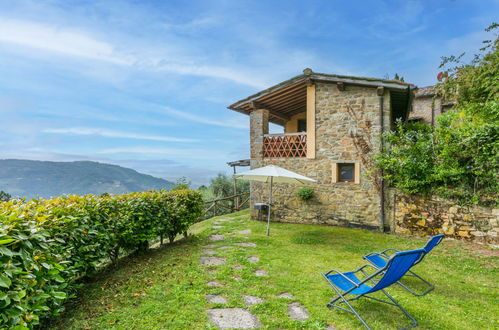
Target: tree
4	197
397	77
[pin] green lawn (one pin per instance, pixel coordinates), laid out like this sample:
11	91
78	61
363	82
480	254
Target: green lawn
166	289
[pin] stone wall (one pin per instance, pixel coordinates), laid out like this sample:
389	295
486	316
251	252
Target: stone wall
347	130
416	215
423	106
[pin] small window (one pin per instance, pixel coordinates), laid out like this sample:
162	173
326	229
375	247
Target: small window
302	125
346	172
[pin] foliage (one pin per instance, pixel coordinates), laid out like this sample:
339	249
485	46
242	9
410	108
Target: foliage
305	193
181	183
4	197
458	159
47	245
223	186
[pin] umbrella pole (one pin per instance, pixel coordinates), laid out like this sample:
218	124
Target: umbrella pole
270	203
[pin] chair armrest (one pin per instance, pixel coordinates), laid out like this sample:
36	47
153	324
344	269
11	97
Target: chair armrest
341	274
384	252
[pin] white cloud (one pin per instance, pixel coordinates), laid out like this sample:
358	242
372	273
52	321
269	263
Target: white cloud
52	39
80	44
204	120
114	134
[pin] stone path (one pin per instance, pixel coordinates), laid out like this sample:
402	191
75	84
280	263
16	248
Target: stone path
253	259
212	261
244	232
239	318
233	318
215	238
245	244
297	312
252	300
286	295
261	272
214	299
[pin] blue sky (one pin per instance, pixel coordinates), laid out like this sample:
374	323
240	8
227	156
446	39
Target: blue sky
145	84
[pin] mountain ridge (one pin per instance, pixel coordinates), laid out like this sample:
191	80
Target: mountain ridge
36	178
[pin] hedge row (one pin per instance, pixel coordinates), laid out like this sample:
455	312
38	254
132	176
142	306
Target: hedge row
46	245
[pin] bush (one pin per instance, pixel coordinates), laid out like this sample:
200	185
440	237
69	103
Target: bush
305	193
47	245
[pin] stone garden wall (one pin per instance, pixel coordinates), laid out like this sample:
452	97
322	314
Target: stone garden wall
416	215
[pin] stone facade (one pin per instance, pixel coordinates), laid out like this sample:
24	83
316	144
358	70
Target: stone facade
347	126
427	106
416	215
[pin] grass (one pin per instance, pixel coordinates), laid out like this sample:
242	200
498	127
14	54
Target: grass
166	288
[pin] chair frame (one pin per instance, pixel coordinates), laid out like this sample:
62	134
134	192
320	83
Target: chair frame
370	278
387	256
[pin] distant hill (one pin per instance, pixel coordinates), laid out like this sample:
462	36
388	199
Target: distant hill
32	178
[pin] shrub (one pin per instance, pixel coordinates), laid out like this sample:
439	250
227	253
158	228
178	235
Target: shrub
47	245
305	193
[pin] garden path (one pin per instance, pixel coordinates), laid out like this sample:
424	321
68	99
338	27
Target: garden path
238	318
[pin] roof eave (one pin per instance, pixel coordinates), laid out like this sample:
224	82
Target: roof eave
369	82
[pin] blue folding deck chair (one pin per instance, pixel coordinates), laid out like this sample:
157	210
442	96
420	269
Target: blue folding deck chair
350	284
379	260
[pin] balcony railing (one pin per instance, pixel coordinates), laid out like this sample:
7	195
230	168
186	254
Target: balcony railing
288	145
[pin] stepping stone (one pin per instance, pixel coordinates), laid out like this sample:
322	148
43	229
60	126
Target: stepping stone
261	272
237	278
208	251
217	227
286	295
214	299
233	318
214	238
237	267
330	327
246	244
225	247
212	261
297	312
244	232
253	259
211	271
214	284
209	246
252	300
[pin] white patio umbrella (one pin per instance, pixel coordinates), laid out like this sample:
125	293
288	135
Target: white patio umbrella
270	174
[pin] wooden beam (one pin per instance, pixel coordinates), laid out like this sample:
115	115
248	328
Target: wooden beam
258	105
380	90
311	121
282	92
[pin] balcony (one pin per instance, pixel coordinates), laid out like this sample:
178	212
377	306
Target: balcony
287	145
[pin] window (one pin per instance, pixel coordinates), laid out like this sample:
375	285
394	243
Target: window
302	125
346	172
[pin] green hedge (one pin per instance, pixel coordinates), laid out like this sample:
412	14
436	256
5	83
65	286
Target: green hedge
47	245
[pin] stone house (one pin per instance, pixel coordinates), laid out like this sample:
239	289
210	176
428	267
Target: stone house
427	105
332	126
